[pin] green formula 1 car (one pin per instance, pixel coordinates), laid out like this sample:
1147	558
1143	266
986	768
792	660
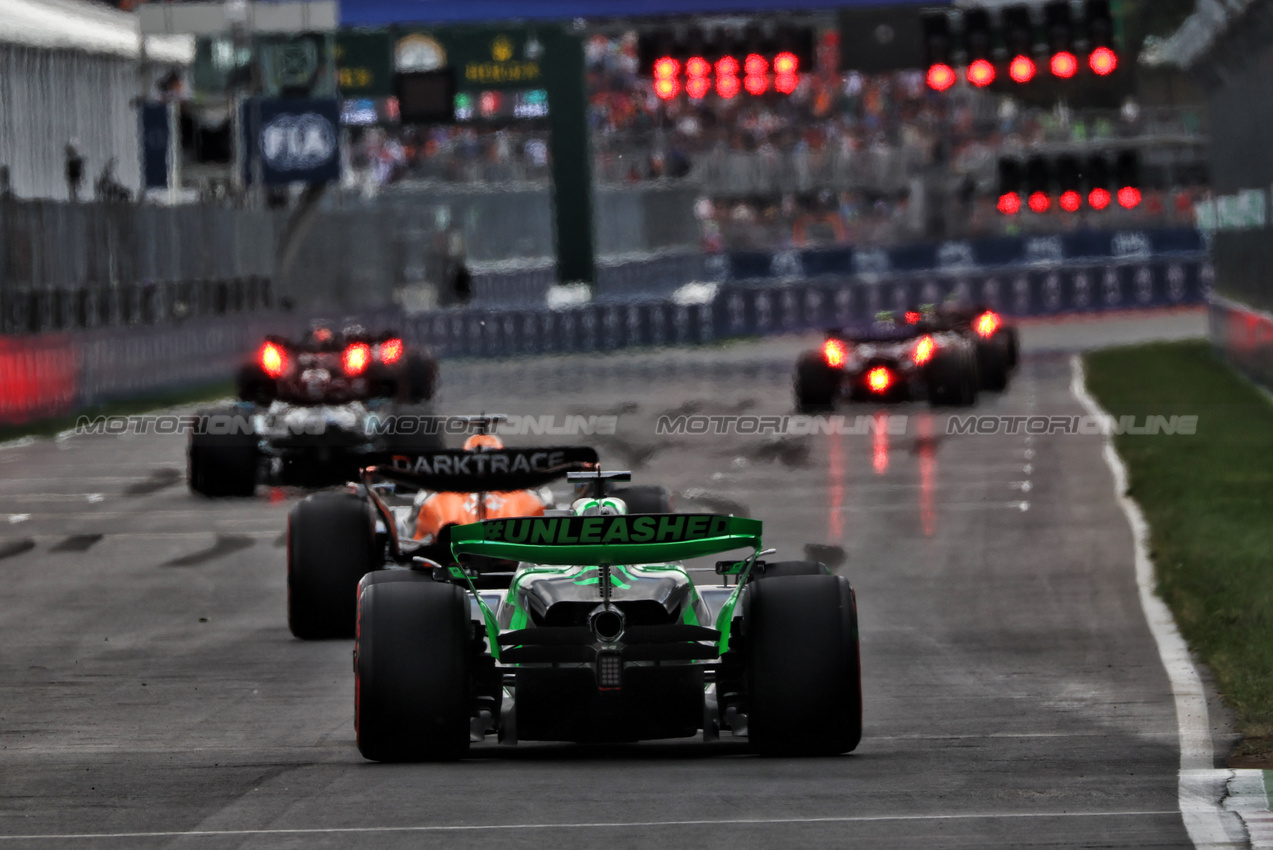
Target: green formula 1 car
602	636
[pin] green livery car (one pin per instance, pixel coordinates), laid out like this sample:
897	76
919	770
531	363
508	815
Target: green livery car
602	636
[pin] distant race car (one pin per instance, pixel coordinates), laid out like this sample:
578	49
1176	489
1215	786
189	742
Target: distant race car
407	508
602	636
308	411
996	341
890	362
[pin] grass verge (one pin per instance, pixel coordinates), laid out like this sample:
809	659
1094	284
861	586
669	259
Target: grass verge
1208	499
145	404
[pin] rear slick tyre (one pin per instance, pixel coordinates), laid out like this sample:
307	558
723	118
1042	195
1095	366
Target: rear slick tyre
815	384
413	663
804	681
331	545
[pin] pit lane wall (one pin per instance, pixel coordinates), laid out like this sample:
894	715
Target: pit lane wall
44	375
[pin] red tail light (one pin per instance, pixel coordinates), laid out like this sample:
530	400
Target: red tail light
356	358
987	323
879	379
835	352
273	360
391	351
924	350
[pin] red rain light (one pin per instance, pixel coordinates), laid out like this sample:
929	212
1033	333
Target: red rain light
1022	69
668	87
1010	203
924	350
697	66
912	318
1065	65
786	83
987	323
786	63
356	358
981	73
756	84
391	351
1099	199
1129	197
727	66
1103	61
879	379
698	87
1040	202
666	68
727	87
835	352
273	360
755	64
1071	201
941	77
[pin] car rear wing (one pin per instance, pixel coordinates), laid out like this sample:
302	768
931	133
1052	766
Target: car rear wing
496	470
606	540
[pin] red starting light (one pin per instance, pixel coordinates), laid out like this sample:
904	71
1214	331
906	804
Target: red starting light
697	66
1040	202
727	66
924	350
698	87
1129	197
756	84
1103	61
981	73
1099	199
755	64
391	351
1010	203
1065	65
835	352
1022	69
786	83
356	358
666	68
667	87
987	323
786	63
879	379
273	360
941	77
1071	201
727	87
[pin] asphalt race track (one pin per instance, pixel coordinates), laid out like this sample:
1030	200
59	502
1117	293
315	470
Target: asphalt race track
151	695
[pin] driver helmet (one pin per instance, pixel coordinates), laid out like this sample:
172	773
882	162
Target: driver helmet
482	443
609	506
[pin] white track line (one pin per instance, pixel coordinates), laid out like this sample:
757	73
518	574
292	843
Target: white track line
1201	786
340	830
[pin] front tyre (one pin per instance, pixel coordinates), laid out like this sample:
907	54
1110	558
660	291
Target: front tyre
331	545
804	681
413	663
